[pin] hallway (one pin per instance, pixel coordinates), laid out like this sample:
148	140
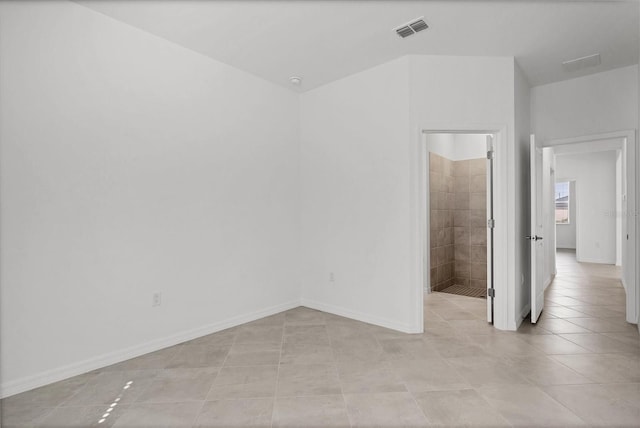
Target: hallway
580	366
583	327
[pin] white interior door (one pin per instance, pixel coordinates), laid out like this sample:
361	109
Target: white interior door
535	236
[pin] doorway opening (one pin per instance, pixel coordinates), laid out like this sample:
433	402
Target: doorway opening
459	216
593	224
588	202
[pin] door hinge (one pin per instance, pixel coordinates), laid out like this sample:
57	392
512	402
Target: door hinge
491	223
490	154
491	292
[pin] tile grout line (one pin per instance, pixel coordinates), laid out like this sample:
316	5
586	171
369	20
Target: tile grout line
199	413
335	361
275	392
563	406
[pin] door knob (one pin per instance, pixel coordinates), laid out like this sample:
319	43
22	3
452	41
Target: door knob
533	238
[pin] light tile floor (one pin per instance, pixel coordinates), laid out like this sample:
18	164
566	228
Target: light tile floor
579	366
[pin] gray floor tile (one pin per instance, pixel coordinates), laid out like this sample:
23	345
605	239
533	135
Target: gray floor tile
364	377
429	375
599	343
104	389
407	348
529	406
22	415
391	409
260	333
552	344
249	412
360	349
93	416
487	371
308	379
458	408
313	411
252	354
195	356
315	334
50	395
596	405
604	368
244	382
178	385
163	415
545	371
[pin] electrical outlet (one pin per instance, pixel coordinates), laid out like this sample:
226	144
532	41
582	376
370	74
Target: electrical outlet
157	299
332	278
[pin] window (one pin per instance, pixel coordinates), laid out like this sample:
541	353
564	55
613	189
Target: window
562	202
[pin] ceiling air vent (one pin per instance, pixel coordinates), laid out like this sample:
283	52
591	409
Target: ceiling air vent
580	63
419	25
412	27
405	31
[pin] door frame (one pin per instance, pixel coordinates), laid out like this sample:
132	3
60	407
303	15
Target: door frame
631	272
420	216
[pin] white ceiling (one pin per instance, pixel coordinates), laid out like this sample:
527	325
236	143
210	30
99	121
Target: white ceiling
327	40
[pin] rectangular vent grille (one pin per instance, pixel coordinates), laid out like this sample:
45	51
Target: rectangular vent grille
405	31
412	27
419	26
580	63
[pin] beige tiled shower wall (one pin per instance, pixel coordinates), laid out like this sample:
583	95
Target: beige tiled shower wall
470	222
457	191
441	203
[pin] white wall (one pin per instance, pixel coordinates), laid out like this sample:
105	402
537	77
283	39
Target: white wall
566	233
595	175
442	144
355	196
470	146
358	147
458	147
130	165
521	195
466	93
594	104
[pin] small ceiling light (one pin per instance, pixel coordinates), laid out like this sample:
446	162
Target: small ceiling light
295	80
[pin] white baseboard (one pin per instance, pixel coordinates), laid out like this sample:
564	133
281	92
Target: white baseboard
596	261
549	281
348	313
512	325
49	376
523	314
